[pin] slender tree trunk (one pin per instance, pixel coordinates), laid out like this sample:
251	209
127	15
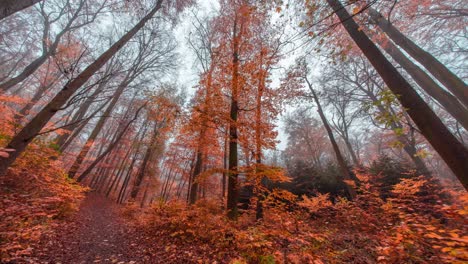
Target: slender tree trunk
451	81
148	155
37	95
123	189
9	7
447	100
109	148
124	186
201	140
97	129
80	113
145	194
225	167
258	138
30	69
339	157
233	186
77	131
351	151
30	131
113	158
449	148
170	172
120	172
196	171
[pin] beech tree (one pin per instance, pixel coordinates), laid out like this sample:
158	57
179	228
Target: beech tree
30	130
450	149
452	82
81	15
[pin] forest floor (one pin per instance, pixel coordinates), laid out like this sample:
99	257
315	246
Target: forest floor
97	234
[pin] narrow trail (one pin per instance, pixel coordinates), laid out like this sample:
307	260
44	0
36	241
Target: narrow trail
96	234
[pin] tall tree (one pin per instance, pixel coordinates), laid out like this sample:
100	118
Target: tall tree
450	149
444	98
81	15
20	141
451	81
339	157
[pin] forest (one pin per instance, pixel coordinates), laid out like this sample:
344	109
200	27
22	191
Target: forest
233	131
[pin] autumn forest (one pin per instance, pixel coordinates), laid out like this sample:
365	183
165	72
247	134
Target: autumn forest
233	131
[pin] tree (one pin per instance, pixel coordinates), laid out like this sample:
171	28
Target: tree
339	157
80	16
446	99
30	130
366	86
452	82
343	114
450	149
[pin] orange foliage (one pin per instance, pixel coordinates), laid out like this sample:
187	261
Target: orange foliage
35	193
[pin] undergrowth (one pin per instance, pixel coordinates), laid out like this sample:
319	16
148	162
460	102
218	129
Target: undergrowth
36	194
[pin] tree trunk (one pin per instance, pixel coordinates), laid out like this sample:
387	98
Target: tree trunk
339	157
80	113
351	151
121	170
9	7
225	167
233	188
258	137
449	148
109	148
81	125
30	131
451	81
447	100
196	171
30	69
97	129
24	112
148	155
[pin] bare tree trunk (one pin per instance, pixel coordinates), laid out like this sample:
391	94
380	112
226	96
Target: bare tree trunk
148	155
351	150
124	186
196	171
435	67
30	131
120	172
449	148
34	100
447	100
109	148
233	185
81	125
97	129
225	167
80	113
9	7
258	137
339	157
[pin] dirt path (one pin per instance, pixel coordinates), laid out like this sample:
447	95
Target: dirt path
96	234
